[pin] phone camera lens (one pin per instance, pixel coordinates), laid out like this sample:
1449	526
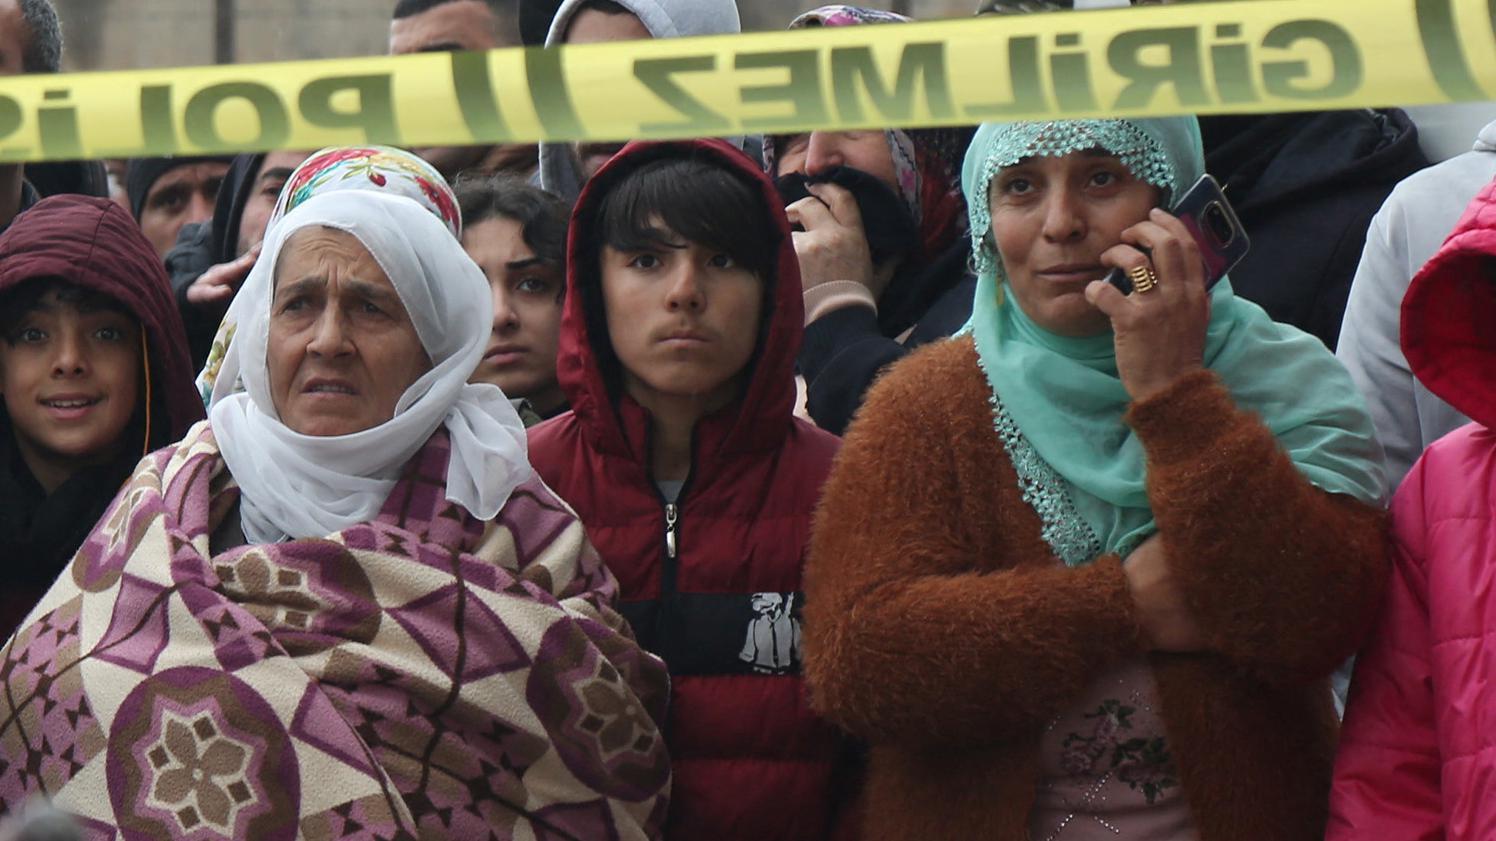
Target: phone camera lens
1218	224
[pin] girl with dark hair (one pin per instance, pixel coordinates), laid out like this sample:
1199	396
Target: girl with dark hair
682	456
516	233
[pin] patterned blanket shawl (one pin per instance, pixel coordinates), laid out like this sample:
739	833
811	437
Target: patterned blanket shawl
423	675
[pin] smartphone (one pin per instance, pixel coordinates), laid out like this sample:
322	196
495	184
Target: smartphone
1222	240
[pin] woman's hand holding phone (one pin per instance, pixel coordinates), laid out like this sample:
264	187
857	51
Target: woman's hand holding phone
1211	222
1159	334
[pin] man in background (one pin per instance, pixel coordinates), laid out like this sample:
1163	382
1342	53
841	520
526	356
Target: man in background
169	193
428	26
1405	233
30	42
211	259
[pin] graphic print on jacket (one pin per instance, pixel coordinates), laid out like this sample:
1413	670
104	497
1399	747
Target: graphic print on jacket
773	644
711	581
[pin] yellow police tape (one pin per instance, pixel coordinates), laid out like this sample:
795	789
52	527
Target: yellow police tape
1262	55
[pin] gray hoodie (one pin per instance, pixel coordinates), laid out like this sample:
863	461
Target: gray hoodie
663	19
1405	233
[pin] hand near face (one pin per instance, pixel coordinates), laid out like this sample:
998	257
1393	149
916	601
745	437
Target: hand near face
1161	608
833	245
218	284
1159	334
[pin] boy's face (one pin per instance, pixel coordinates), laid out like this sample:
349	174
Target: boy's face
71	381
683	319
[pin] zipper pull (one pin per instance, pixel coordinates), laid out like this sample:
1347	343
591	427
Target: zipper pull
672	515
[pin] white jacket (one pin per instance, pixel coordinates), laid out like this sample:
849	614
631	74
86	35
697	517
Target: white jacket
1405	233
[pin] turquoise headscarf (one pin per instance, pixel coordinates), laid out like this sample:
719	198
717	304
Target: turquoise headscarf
1058	401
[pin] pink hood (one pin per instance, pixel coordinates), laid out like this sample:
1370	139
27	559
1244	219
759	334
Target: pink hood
1449	315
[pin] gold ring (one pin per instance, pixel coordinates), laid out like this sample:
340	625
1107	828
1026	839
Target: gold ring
1143	279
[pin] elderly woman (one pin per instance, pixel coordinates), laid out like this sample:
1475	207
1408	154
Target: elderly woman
1144	534
343	606
363	169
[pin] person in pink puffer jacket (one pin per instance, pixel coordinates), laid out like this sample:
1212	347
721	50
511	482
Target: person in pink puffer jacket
1417	754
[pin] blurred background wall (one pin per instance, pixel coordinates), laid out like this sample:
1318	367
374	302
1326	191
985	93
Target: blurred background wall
123	34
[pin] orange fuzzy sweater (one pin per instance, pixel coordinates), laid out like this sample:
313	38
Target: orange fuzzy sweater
941	629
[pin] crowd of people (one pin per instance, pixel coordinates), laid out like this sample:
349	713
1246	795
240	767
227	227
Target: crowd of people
808	486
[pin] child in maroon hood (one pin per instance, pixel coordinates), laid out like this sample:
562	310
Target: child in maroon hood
682	455
94	374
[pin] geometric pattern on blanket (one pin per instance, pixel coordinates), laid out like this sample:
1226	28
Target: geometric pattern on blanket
422	675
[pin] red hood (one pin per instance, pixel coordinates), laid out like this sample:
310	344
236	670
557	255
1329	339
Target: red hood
94	243
1449	315
762	418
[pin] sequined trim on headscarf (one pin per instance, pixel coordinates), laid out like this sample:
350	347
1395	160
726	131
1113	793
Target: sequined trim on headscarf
1142	156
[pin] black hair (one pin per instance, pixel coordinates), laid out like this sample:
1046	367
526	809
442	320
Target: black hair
543	217
42	52
1019	7
694	198
607	7
24	299
535	18
409	8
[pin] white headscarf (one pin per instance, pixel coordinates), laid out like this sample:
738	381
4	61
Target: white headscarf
299	486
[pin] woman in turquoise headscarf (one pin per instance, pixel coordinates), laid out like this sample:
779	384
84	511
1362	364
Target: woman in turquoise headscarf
1083	571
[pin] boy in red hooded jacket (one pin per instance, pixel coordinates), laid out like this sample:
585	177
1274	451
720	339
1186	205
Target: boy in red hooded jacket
697	484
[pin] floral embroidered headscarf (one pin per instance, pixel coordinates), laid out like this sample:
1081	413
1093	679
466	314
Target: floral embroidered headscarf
382	169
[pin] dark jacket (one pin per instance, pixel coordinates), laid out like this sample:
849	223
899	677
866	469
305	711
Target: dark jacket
93	243
1306	186
929	297
750	760
200	247
847	348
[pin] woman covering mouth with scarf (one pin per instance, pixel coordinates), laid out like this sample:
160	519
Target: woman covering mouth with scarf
880	226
